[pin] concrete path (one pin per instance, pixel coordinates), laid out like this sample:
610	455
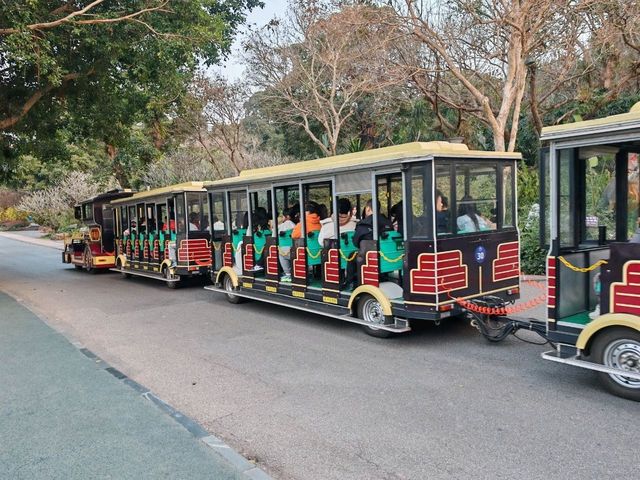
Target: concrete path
64	414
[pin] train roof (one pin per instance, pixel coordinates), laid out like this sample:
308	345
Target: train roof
163	191
612	123
369	158
109	196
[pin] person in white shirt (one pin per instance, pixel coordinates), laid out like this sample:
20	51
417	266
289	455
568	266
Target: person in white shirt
469	220
345	220
284	253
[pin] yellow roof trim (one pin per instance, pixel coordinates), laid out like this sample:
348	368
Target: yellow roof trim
632	116
177	188
359	159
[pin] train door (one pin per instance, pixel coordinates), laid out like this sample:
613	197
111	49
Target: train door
219	227
259	231
388	232
594	207
279	247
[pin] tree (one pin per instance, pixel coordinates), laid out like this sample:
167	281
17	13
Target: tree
481	50
102	66
314	68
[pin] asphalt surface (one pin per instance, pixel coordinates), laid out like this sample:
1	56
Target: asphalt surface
313	398
63	416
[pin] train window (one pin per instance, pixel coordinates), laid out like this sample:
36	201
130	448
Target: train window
238	206
442	195
599	201
508	210
161	217
77	212
261	210
566	199
476	192
287	201
172	214
197	205
419	188
389	194
218	216
317	198
181	224
87	211
150	218
133	227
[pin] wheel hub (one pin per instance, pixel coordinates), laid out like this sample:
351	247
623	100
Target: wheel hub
625	355
373	312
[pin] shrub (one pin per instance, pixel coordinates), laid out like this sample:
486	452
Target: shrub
53	206
12	214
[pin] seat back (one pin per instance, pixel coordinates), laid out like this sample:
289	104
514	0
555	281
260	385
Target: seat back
313	249
284	239
347	248
391	251
259	241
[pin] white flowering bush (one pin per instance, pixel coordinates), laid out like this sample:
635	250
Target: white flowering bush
53	206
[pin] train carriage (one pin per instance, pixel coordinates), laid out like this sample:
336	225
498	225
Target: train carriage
454	235
92	247
164	233
590	189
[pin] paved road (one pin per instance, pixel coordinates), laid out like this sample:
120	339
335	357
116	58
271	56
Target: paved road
313	398
62	416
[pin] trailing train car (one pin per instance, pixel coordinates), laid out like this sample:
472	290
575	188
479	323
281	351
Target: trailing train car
593	267
92	247
436	224
164	233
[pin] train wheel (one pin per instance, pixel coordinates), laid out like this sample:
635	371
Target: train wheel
228	286
370	310
88	261
124	274
619	348
168	276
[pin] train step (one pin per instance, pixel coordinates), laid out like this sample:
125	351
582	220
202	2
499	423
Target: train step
400	325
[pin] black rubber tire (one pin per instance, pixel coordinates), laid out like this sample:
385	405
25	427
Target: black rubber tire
598	353
364	302
123	274
88	265
171	285
227	284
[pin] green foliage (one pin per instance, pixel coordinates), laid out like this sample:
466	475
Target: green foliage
532	255
97	81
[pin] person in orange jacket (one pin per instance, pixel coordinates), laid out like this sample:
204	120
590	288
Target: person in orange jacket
311	220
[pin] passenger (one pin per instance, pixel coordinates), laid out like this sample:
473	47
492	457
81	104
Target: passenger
132	230
396	217
469	220
442	213
345	220
194	222
218	226
171	226
364	229
284	253
311	220
323	211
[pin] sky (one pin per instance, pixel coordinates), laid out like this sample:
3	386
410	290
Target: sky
232	69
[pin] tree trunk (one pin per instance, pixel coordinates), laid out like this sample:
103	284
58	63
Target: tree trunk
118	169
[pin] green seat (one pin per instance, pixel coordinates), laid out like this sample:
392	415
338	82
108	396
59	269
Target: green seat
347	248
313	249
391	251
284	239
161	237
259	241
236	237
